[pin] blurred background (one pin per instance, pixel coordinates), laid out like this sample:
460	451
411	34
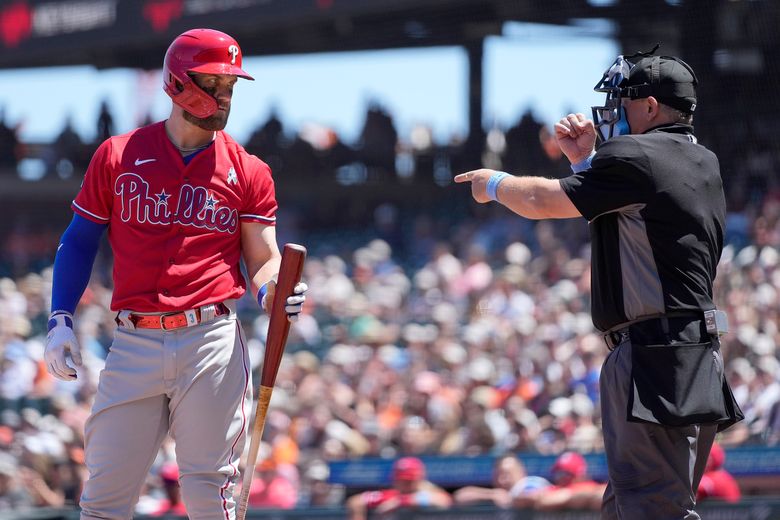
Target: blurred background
435	328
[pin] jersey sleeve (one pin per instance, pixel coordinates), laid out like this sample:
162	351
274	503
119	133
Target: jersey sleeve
94	200
619	177
260	201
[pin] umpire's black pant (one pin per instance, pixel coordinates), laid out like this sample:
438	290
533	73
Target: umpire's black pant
654	471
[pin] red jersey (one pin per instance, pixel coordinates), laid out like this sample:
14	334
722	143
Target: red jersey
374	499
718	484
174	228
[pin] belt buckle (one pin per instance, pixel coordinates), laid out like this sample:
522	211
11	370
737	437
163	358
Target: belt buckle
162	321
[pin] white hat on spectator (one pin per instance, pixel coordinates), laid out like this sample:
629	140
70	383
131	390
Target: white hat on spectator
518	253
444	312
416	333
768	257
763	344
560	407
769	365
476	332
525	324
426	279
380	248
746	334
318	470
747	256
453	353
582	405
565	290
765	295
481	369
334	265
742	367
341	354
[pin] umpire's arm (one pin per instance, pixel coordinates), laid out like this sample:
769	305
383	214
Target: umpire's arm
531	197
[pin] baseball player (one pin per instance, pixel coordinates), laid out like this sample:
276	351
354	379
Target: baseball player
655	203
182	202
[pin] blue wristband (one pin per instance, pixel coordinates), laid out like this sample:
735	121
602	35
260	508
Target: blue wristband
261	293
493	182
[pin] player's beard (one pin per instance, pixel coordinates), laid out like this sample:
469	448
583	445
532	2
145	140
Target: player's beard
216	121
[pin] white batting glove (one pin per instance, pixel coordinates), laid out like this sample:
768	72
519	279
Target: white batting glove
61	342
294	303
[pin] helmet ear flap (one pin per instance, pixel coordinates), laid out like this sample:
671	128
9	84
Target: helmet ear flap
192	99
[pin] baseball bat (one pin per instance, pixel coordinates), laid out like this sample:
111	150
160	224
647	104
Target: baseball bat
290	270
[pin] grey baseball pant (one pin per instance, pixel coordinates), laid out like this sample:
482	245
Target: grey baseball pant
193	383
654	471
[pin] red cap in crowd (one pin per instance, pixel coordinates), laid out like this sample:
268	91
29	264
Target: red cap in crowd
408	468
572	463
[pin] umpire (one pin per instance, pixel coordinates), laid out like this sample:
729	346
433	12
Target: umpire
655	203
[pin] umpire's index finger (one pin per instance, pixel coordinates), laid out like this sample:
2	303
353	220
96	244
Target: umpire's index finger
464	177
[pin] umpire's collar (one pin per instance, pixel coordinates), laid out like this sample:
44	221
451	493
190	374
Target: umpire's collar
672	128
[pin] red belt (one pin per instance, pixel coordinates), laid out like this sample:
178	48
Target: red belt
172	320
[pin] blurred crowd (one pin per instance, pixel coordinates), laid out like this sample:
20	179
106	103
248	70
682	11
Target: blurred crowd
451	329
484	345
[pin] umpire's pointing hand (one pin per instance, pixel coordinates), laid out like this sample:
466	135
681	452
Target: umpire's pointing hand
61	341
478	180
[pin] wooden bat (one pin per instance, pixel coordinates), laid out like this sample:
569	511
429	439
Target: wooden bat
290	270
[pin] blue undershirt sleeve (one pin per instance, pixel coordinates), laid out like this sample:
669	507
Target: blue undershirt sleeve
73	263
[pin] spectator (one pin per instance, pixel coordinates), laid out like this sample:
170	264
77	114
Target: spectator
378	141
717	483
105	123
172	504
270	489
510	481
9	146
68	153
12	495
572	488
410	490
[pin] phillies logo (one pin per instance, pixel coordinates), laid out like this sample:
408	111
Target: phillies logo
233	50
195	206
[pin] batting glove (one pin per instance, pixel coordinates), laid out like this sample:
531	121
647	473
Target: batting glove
60	342
294	303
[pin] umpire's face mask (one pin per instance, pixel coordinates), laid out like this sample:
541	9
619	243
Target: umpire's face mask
610	119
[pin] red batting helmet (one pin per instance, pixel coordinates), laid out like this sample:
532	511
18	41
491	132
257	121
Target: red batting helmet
199	50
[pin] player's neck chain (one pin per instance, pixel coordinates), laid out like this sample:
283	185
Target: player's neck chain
187	151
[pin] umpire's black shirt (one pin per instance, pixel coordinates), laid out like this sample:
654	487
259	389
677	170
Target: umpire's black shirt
657	212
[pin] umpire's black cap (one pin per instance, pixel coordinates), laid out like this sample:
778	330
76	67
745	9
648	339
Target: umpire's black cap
668	79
